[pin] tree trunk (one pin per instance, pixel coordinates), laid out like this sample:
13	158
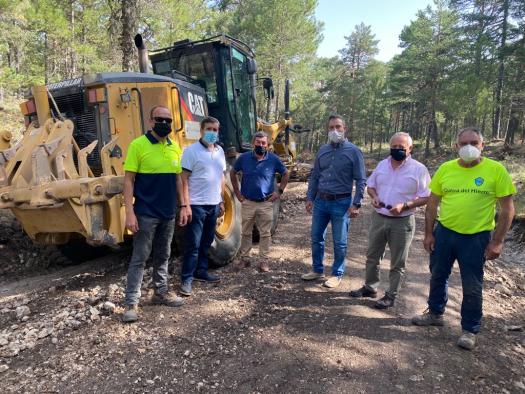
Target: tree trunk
46	51
501	71
513	126
129	28
72	69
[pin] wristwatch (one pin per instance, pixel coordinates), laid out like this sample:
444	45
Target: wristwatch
405	207
357	205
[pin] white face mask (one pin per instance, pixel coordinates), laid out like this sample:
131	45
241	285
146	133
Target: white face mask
469	153
335	136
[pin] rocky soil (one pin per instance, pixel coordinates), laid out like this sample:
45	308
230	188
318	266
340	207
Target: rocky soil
60	330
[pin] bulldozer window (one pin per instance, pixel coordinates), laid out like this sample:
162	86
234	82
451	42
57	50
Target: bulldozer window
238	84
200	67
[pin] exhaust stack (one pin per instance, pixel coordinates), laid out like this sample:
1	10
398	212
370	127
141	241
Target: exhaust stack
143	54
42	103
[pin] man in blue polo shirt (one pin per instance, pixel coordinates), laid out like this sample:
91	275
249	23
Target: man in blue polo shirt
257	194
152	165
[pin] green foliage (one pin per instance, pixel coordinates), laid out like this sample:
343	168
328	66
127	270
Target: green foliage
445	78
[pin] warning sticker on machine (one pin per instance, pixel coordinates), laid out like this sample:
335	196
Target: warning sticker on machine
192	129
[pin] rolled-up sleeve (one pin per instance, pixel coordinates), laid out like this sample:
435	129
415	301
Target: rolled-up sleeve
371	182
359	175
423	189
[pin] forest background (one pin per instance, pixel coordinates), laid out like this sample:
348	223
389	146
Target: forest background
462	61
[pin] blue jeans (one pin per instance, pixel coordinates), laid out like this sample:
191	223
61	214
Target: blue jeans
469	251
200	233
156	233
335	212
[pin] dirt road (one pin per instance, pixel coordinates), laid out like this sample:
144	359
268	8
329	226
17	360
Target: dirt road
267	333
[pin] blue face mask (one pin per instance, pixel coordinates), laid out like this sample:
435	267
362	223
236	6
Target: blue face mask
210	137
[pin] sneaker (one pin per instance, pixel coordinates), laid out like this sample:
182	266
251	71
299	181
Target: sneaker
364	291
312	276
333	282
263	266
185	288
385	302
167	299
467	340
131	314
428	319
207	277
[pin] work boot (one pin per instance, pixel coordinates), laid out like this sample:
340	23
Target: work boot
364	291
333	282
131	314
312	276
185	288
428	318
385	302
167	299
467	340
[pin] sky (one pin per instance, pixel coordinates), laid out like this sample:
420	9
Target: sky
386	17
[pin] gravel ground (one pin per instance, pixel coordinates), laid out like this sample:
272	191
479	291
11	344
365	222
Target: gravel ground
258	333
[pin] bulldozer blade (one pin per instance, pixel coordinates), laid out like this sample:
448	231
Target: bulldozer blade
83	168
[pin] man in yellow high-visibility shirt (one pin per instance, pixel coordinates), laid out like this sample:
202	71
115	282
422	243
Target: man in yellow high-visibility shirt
151	186
466	191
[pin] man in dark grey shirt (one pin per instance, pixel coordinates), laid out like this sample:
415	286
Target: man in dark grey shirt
337	165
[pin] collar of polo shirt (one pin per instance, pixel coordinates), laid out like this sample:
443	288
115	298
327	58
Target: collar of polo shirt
153	140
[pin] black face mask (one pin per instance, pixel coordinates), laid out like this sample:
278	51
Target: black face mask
162	129
260	150
398	154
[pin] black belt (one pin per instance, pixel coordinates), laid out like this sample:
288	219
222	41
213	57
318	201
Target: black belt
332	197
260	199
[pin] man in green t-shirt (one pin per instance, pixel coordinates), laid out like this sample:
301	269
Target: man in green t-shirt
466	191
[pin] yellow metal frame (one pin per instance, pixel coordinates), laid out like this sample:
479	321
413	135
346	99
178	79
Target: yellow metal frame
47	183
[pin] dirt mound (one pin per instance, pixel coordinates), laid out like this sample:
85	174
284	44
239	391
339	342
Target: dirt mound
20	254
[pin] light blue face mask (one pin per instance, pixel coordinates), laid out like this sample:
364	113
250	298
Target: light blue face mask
210	137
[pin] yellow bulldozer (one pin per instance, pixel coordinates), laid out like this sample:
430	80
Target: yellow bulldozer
64	179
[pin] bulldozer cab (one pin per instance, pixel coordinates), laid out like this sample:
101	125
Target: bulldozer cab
225	68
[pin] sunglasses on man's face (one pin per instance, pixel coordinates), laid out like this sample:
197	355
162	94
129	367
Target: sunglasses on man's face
158	119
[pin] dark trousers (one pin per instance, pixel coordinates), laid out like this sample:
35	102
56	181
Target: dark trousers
156	233
200	233
469	251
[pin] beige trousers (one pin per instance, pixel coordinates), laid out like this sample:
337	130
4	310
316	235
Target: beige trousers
260	213
398	234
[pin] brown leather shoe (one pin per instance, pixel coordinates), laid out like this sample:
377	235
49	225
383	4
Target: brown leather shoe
263	266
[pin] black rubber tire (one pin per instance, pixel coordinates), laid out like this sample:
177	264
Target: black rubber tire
223	251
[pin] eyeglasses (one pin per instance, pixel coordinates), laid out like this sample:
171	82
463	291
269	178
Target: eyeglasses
158	119
382	205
